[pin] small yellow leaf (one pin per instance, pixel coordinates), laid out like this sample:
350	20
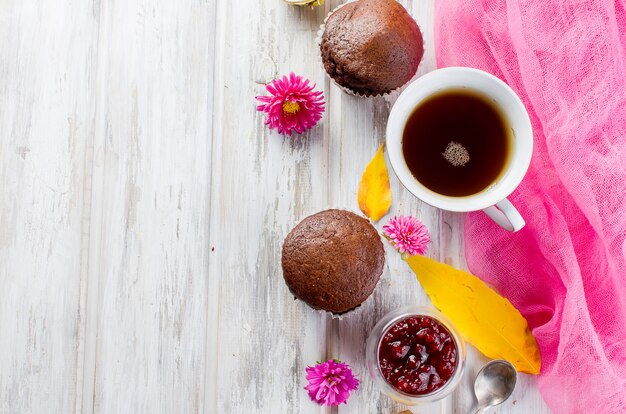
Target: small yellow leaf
374	192
485	319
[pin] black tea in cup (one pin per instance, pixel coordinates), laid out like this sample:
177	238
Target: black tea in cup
457	142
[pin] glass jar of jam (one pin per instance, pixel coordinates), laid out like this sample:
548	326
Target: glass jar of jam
415	355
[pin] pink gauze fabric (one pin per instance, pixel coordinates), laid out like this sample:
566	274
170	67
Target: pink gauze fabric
566	270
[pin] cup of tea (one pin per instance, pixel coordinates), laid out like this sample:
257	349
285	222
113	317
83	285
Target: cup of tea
461	140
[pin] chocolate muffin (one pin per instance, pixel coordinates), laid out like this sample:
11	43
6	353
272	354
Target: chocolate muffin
333	260
371	46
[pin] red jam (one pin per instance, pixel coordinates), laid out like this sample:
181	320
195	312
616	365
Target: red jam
417	355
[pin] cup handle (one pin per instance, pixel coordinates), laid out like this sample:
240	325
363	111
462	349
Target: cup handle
505	215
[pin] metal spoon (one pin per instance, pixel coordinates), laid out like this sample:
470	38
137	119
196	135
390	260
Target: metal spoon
494	384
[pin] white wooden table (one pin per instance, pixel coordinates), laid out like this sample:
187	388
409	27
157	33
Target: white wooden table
143	206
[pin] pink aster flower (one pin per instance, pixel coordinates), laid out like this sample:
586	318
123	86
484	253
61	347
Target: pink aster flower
407	235
330	382
292	105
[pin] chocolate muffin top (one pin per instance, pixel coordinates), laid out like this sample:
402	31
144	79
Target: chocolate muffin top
371	46
333	260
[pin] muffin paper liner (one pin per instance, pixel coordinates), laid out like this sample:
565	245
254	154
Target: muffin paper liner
318	42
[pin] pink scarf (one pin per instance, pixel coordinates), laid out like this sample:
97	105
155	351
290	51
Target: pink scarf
566	270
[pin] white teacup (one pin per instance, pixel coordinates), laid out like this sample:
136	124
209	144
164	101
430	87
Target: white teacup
491	200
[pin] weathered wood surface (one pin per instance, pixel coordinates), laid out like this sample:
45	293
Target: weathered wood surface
48	64
144	204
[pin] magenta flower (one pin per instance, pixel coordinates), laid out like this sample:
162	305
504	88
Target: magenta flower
330	382
292	105
407	235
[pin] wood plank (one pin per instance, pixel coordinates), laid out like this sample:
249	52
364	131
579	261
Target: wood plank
47	72
150	236
263	184
361	123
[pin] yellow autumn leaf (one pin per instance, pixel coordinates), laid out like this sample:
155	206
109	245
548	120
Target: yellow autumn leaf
374	192
485	319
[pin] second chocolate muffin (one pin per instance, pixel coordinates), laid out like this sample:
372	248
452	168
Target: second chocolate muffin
333	260
371	47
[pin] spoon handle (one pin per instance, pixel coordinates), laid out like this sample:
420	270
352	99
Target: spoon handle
480	410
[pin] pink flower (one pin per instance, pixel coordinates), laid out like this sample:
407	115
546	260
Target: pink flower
292	105
407	235
330	382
